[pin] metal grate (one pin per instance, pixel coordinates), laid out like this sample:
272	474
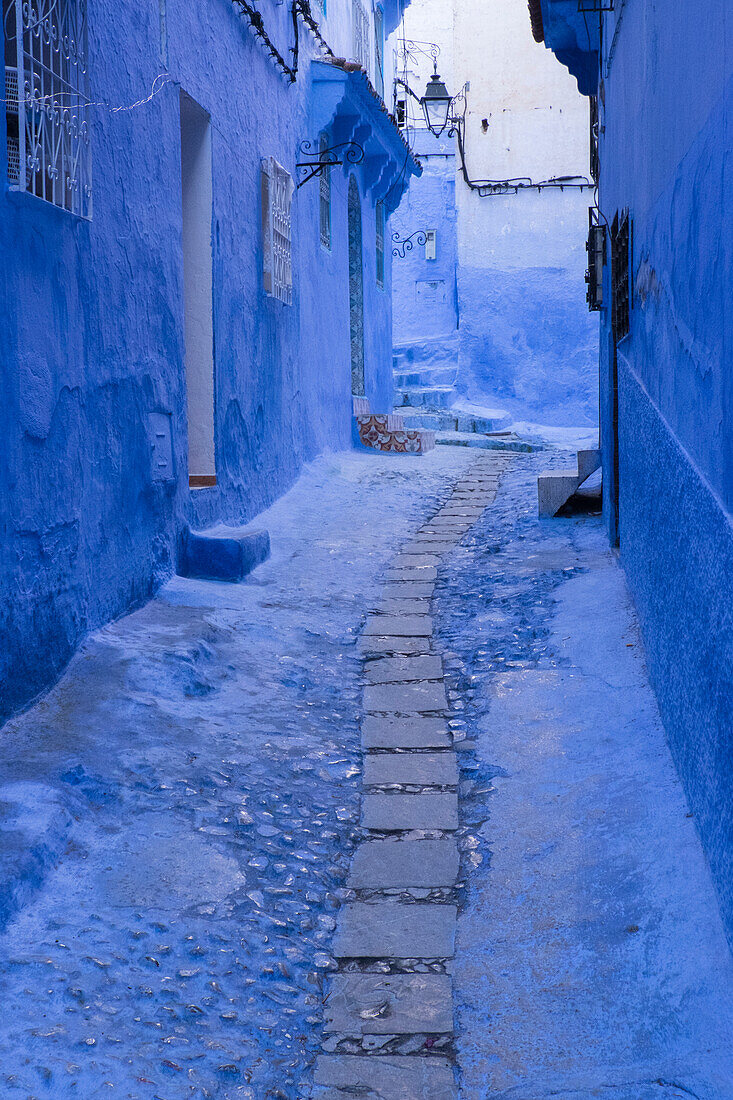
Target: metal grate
49	109
324	190
380	243
621	276
360	34
277	197
595	165
596	249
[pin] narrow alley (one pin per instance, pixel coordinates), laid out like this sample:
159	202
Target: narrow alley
402	793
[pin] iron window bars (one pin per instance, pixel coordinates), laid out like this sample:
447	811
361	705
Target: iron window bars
379	214
324	192
277	197
47	97
360	34
621	276
596	248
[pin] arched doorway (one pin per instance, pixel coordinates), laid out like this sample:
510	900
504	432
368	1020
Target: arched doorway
356	290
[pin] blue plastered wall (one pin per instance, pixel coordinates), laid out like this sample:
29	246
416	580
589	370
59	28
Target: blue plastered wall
91	340
667	156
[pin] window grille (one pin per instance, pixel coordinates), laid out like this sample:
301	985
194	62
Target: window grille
324	185
360	34
621	276
277	198
47	87
595	167
379	50
380	243
596	249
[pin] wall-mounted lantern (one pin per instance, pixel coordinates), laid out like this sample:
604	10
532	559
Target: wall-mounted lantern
436	103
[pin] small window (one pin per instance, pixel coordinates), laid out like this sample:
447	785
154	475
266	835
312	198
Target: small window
431	244
401	113
380	243
621	276
360	34
379	51
46	82
324	185
277	197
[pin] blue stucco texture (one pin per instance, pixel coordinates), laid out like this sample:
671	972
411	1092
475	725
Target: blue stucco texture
673	89
677	549
539	363
92	333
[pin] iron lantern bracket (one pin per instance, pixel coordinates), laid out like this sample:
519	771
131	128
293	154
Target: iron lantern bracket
346	152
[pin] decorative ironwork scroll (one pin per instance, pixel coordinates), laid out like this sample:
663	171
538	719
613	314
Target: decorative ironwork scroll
346	152
47	124
403	245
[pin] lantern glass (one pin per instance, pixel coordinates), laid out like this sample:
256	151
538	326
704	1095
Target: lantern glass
436	105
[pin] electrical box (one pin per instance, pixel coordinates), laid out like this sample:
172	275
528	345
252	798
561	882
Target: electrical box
431	244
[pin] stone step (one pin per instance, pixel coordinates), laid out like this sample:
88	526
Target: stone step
428	376
222	553
555	487
435	397
484	442
454	421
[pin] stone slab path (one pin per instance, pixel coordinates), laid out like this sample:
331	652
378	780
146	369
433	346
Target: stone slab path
389	1010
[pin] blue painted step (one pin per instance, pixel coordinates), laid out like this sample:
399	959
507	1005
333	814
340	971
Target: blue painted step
222	553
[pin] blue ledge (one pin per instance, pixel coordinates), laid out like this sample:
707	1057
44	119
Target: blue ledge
223	553
345	104
573	37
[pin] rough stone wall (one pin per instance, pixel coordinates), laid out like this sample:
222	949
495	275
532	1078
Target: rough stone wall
91	340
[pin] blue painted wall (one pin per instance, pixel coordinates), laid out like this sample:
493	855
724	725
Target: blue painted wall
666	146
527	340
91	342
425	295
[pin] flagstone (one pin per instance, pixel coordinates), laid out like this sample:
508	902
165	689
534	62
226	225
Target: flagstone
423	769
397	812
389	1004
377	645
387	929
384	1077
387	864
410	698
395	670
399	625
418	732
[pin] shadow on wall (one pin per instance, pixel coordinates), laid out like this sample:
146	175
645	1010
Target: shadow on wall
528	341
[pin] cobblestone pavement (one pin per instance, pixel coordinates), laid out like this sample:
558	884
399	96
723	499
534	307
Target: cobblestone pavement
375	823
181	809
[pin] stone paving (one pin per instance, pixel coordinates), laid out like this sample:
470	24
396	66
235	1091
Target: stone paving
389	1009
